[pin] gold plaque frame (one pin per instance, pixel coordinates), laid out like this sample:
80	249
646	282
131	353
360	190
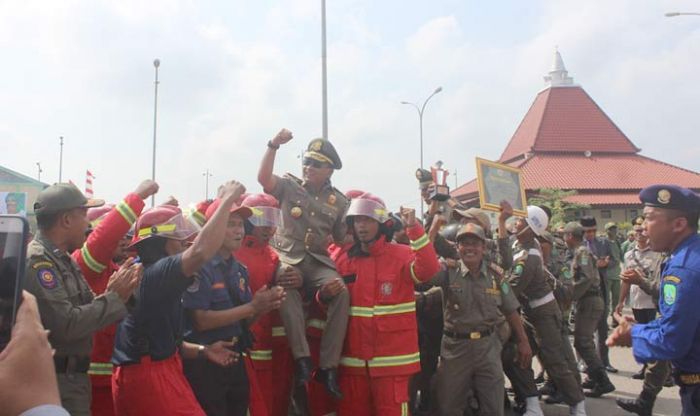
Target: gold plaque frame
488	173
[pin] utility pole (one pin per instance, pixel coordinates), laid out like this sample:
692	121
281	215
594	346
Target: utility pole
60	162
156	64
206	175
38	173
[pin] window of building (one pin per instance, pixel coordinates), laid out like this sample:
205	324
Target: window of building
633	214
605	214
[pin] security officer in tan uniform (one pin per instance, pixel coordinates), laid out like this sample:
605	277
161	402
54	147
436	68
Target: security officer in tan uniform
589	308
68	307
313	212
541	312
476	298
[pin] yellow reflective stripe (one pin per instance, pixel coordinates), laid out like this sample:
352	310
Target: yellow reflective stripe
100	369
199	217
316	323
394	309
125	210
278	331
404	409
413	273
420	243
90	261
379	310
388	361
261	355
161	229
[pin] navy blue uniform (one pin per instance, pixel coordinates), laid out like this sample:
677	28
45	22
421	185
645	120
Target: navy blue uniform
675	336
220	285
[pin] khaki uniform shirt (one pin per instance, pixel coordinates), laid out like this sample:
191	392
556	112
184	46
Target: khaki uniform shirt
475	301
583	270
68	308
309	220
528	277
645	261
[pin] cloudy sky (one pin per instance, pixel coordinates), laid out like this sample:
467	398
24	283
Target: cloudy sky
234	72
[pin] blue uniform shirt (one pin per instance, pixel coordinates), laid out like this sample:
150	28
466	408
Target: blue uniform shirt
154	325
210	292
675	336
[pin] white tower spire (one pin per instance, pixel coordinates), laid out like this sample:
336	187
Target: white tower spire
558	75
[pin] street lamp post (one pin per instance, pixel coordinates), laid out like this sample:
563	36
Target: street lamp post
206	175
38	171
156	64
421	110
324	77
60	161
674	14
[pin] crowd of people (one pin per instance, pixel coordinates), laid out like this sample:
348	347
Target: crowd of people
305	300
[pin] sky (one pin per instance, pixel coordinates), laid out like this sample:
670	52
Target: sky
233	73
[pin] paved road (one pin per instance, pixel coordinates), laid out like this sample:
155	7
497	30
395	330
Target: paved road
667	404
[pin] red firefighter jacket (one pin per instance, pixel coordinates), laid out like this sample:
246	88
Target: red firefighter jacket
95	261
382	332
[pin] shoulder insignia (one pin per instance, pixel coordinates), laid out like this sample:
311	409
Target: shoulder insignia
505	288
520	256
47	278
669	294
518	269
42	265
194	287
294	178
673	279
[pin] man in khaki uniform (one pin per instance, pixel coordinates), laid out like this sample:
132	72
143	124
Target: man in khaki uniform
313	212
541	312
68	307
589	308
476	298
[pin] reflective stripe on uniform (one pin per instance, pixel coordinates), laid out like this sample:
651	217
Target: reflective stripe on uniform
379	310
90	261
199	218
261	355
388	361
100	369
423	241
413	273
125	210
278	331
404	409
316	323
163	228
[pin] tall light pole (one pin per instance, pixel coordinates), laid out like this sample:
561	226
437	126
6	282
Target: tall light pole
324	78
156	64
38	171
421	110
674	14
206	175
60	161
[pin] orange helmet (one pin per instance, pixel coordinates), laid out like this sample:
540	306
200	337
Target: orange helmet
198	214
163	221
95	215
265	210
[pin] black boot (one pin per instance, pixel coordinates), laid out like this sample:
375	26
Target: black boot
641	406
640	374
303	370
548	388
588	383
602	384
329	378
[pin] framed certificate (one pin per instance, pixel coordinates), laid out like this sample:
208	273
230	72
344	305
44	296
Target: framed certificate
498	182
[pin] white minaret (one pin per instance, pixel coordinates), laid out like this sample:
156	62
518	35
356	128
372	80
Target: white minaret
558	76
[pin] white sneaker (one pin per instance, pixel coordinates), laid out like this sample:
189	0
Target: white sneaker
532	407
579	409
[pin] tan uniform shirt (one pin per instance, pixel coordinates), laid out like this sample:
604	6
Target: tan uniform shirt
475	301
584	272
68	308
309	220
527	277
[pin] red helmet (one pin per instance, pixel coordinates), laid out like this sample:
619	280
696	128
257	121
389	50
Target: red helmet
164	221
265	210
198	214
369	205
235	208
95	215
353	193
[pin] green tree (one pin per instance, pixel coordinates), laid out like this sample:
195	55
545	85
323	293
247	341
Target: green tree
555	200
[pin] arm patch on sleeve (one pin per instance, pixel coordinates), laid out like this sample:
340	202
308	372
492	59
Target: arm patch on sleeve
47	278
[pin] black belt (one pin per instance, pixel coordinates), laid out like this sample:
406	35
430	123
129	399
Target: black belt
686	379
71	364
468	335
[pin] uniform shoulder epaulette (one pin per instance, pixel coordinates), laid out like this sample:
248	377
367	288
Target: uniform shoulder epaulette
520	256
294	178
498	270
35	249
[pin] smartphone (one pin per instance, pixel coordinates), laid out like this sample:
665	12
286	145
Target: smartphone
14	231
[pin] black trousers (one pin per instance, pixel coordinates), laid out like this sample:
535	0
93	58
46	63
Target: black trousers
221	391
603	323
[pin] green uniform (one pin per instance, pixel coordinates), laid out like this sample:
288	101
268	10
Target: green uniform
613	271
474	307
309	221
72	313
541	312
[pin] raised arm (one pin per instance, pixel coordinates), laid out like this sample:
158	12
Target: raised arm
266	178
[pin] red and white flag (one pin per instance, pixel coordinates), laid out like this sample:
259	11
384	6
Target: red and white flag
88	184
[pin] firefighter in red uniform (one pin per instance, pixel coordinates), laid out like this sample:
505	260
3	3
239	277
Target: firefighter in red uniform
271	356
381	344
98	260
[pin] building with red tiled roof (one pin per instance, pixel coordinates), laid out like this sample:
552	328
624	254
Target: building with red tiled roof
566	141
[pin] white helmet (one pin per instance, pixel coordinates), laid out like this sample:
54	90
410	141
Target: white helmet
537	219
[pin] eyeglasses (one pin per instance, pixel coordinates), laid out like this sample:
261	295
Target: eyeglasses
315	163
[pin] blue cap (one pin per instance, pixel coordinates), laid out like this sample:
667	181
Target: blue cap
670	197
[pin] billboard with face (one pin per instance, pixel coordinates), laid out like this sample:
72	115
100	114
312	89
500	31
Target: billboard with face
13	203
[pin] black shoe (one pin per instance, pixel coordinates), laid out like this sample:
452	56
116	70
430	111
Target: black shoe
540	378
600	389
329	378
610	369
554	398
641	406
639	375
669	382
588	383
548	389
303	370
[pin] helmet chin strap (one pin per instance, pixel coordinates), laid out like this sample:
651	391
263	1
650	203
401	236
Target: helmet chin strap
521	232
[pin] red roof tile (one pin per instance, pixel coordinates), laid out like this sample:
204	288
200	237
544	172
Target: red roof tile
566	119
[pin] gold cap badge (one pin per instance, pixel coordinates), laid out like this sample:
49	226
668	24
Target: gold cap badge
664	196
296	212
